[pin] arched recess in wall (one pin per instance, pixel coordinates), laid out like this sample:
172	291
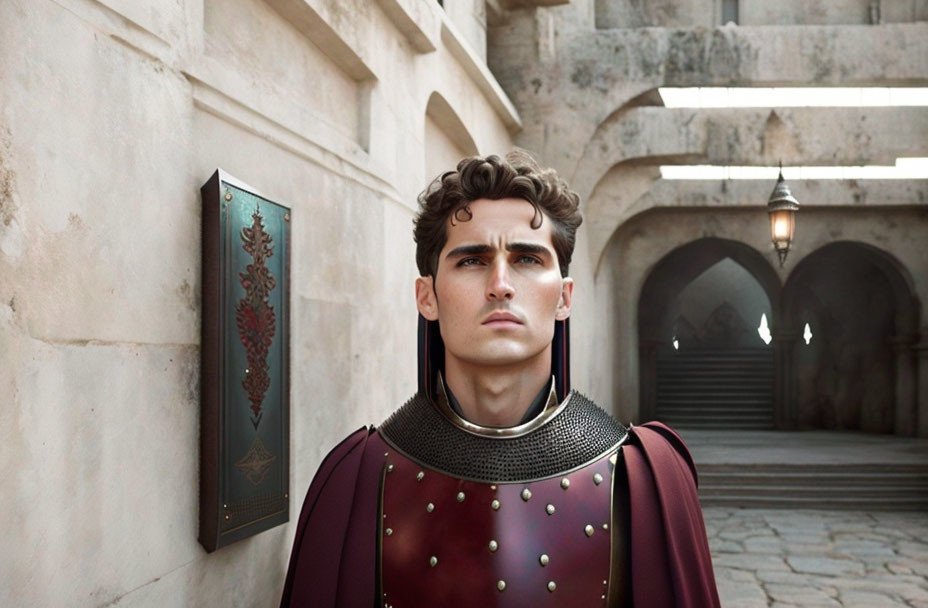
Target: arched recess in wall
447	140
603	149
702	361
857	372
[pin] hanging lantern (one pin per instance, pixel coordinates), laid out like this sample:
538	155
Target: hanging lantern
782	208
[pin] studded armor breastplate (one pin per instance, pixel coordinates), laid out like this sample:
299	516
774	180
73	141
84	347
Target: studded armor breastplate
471	519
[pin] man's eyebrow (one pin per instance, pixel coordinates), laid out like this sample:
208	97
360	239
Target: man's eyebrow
464	250
528	248
468	250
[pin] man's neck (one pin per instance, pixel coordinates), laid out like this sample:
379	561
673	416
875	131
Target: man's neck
497	395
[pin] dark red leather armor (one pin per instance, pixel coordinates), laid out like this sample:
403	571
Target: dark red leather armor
447	541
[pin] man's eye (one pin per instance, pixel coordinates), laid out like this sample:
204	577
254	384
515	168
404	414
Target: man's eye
470	262
528	259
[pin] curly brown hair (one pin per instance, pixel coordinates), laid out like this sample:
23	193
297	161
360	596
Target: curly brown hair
516	176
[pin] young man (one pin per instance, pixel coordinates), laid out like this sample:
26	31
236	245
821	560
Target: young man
495	485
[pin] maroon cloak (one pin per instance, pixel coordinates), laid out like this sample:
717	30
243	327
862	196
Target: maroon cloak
334	558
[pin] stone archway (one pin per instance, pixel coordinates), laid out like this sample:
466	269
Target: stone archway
858	372
702	360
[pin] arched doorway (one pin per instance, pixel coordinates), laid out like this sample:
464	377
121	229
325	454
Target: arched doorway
854	368
704	362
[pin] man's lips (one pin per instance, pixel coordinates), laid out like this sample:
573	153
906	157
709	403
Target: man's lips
502	318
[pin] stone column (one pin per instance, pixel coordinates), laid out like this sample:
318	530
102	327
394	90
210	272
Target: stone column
785	407
647	374
921	418
905	414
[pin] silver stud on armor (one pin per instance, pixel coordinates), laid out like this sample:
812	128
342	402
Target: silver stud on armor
495	505
597	478
419	476
588	530
565	483
526	494
549	509
552	586
460	496
433	561
493	545
389	468
430	507
605	526
388	531
543	560
493	487
501	585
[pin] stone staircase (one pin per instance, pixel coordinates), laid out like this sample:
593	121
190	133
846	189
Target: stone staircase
853	486
716	389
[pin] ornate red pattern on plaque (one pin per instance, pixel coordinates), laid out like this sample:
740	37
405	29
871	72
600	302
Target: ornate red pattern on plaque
254	315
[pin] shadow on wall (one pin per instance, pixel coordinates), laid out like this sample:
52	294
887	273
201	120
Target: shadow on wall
855	302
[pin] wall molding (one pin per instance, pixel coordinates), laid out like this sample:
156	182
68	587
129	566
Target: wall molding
416	20
481	75
313	139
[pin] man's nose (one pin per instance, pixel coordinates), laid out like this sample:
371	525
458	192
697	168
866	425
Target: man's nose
499	285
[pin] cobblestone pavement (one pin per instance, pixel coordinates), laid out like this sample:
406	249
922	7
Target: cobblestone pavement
786	558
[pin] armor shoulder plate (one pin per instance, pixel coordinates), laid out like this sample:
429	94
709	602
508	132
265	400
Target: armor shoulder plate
576	435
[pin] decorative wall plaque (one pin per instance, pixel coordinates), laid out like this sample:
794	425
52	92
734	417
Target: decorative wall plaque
245	363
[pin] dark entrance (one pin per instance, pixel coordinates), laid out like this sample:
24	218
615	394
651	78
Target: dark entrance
704	325
857	372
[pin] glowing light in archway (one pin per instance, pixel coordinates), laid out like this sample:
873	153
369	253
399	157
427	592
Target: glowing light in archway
764	331
807	334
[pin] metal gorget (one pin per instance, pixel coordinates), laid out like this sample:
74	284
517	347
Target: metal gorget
563	438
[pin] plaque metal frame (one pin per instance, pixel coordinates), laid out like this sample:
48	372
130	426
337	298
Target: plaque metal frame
244	363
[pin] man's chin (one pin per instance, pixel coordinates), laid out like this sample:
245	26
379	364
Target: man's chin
507	356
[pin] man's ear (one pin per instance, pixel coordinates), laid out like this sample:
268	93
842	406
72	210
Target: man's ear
426	301
564	302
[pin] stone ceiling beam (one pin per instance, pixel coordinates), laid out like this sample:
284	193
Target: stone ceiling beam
752	136
608	211
563	96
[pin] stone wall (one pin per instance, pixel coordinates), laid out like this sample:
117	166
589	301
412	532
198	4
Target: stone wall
710	13
112	114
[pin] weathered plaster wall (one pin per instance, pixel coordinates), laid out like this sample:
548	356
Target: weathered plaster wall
470	19
709	13
112	114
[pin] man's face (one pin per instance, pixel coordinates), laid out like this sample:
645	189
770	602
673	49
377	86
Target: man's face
498	288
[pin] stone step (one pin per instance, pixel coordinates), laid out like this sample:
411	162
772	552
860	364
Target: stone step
665	414
804	469
824	492
735	425
741	405
835	504
710	366
893	487
715	352
814	480
705	377
721	386
707	394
